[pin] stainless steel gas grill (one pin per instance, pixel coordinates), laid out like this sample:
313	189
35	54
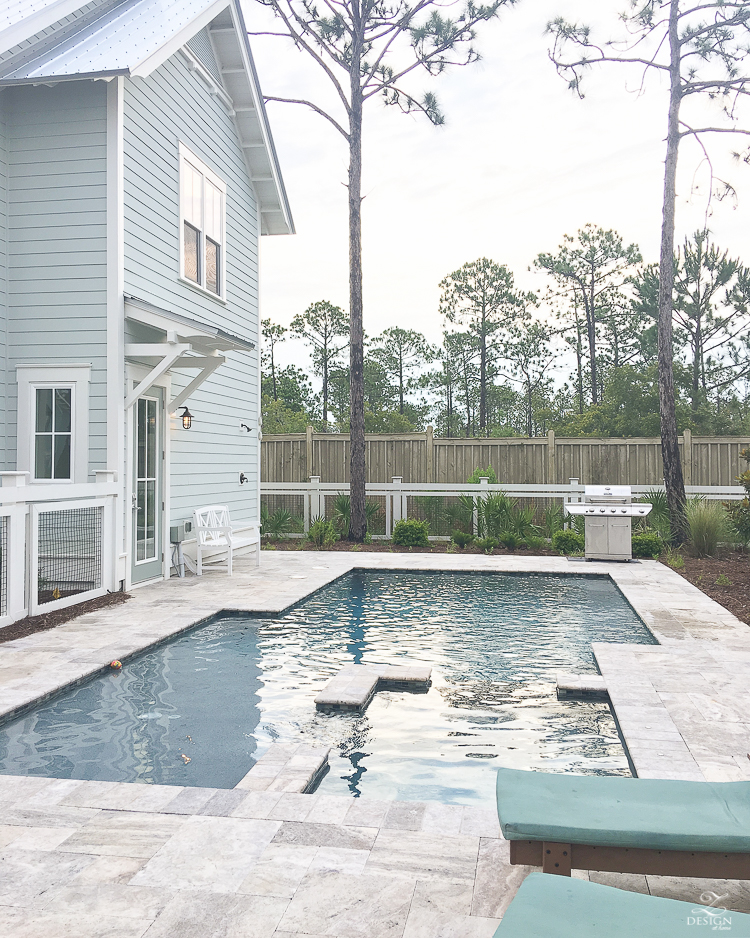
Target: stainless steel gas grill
608	511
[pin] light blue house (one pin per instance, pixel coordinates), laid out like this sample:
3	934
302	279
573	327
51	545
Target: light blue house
137	172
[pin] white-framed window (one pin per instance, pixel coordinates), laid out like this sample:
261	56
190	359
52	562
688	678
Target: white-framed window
53	414
203	197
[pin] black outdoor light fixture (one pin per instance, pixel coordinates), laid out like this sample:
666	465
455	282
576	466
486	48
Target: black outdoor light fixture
187	419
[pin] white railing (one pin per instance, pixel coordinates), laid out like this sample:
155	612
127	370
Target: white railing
397	493
57	543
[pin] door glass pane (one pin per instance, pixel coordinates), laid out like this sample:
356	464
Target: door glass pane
147	492
141	445
62	410
191	253
44	410
212	266
62	456
43	456
151	519
140	522
151	440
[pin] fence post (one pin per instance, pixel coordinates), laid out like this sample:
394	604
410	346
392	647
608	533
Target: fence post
483	481
551	458
309	451
315	507
398	505
109	541
687	456
17	576
430	441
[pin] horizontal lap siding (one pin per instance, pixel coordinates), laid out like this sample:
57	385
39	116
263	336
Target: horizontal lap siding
57	287
173	105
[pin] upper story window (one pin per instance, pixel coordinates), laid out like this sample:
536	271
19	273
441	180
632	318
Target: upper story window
203	224
53	433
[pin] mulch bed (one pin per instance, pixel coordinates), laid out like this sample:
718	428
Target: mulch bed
49	620
732	566
385	547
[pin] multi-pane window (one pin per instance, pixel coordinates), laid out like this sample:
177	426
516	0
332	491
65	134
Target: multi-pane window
53	429
203	198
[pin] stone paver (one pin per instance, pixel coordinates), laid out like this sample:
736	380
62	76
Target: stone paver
119	860
355	684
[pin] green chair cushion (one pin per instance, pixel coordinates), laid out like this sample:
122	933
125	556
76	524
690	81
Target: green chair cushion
624	812
548	906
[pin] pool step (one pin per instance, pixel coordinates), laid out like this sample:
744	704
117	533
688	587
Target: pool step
287	767
355	684
588	686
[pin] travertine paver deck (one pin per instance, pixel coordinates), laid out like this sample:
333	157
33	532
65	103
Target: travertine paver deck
95	859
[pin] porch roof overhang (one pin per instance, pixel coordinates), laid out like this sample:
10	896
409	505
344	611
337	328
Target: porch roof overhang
186	344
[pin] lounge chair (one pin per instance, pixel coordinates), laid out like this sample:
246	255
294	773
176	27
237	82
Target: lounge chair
625	825
553	907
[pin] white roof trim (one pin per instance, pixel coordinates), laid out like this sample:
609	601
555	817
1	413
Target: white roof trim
153	61
203	337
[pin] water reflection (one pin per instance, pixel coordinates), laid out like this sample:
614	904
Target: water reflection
196	711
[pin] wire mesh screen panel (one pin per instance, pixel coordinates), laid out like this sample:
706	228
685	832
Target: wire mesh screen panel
3	565
282	515
69	552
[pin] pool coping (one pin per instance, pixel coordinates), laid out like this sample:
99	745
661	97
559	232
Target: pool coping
700	643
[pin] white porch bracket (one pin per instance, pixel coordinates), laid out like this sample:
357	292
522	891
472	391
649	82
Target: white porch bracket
208	365
169	354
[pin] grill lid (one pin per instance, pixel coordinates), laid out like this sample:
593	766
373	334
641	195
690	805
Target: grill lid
607	494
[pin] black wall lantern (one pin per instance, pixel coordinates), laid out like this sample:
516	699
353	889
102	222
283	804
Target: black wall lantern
187	419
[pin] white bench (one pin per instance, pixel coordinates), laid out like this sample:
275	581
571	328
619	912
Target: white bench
215	540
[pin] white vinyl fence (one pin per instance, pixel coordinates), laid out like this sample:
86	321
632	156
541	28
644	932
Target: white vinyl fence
398	499
56	544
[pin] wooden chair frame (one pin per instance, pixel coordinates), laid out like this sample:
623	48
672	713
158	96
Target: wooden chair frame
562	858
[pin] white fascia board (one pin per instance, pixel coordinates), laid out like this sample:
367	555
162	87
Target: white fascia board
265	128
35	23
175	43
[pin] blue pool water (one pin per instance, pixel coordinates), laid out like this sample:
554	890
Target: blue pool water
200	709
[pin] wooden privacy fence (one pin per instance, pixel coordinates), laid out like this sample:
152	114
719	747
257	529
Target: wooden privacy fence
550	460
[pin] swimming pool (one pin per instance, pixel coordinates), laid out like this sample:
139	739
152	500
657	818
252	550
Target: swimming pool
200	709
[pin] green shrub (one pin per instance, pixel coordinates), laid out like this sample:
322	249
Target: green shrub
322	533
461	538
276	524
478	473
568	542
707	526
647	544
553	520
534	542
658	518
342	513
487	544
510	539
411	533
674	558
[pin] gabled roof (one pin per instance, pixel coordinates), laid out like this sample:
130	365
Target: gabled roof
105	38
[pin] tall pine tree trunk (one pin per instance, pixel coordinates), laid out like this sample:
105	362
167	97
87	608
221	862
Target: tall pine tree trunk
357	519
673	478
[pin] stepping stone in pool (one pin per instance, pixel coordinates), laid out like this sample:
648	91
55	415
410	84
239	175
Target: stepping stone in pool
355	685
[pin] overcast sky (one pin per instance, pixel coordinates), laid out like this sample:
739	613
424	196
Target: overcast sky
519	162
